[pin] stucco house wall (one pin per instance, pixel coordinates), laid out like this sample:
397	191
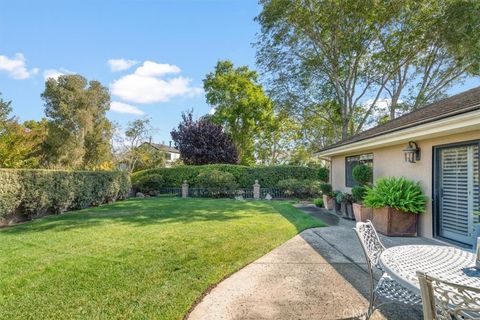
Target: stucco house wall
389	161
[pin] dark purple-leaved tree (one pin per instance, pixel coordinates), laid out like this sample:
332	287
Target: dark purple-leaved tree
203	142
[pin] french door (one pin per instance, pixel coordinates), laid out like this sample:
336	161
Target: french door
457	182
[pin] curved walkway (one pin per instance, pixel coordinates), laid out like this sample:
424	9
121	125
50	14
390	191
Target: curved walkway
318	274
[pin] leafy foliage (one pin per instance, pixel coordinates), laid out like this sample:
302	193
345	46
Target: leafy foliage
203	142
326	189
358	193
362	174
39	192
318	202
300	188
398	193
245	176
240	105
218	183
149	184
79	132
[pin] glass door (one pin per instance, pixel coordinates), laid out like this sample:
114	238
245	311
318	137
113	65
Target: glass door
458	192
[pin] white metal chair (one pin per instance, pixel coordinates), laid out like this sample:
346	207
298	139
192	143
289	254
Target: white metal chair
386	288
444	300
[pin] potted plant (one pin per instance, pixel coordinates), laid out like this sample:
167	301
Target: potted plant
346	206
362	174
337	200
396	204
326	190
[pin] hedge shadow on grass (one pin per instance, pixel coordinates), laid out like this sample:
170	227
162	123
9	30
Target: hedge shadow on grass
138	213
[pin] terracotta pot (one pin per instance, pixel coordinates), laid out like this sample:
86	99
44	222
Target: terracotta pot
395	223
362	213
328	202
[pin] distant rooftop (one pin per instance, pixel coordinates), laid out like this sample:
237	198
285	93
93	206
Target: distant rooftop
163	147
460	103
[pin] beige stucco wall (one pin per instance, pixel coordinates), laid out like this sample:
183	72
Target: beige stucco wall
390	161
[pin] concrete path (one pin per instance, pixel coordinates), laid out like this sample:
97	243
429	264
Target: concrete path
318	274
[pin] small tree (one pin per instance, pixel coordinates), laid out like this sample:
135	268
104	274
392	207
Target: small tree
203	142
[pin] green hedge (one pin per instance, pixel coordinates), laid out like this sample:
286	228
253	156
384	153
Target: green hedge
245	176
39	192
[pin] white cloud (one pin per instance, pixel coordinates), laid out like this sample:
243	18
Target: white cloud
16	67
121	107
121	64
55	73
146	85
153	69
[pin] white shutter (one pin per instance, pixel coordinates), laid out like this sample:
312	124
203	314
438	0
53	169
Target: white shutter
458	192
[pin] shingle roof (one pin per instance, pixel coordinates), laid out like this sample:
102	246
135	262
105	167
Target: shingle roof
449	107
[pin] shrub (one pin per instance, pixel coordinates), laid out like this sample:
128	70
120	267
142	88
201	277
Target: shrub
323	174
300	188
362	174
398	193
358	192
338	196
347	198
39	192
326	189
318	202
268	177
217	182
150	184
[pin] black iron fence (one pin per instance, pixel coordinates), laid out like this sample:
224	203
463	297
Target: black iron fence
245	193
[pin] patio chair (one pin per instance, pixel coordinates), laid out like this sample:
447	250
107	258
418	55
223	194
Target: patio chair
444	300
386	288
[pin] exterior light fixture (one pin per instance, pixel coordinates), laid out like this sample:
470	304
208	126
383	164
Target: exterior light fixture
412	152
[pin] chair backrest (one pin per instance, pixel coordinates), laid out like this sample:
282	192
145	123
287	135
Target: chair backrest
371	244
444	300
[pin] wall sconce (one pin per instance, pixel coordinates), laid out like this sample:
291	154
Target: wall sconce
412	152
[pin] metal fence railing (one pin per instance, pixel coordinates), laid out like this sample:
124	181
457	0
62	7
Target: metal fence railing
245	193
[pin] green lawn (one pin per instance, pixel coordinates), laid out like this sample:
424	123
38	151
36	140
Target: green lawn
136	259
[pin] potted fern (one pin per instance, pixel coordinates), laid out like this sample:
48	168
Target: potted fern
362	174
396	204
327	195
337	200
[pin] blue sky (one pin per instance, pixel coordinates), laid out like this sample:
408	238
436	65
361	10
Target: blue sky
168	47
180	40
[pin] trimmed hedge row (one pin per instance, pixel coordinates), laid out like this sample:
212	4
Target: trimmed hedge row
40	192
268	177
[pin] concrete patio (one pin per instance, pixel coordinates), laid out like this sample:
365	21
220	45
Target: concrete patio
318	274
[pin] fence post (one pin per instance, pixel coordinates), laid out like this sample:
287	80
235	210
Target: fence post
185	189
256	190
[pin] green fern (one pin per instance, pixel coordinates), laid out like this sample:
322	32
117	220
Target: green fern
398	193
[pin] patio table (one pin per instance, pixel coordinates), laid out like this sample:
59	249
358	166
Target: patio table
446	263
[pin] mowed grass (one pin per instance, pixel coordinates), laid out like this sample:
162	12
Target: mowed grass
136	259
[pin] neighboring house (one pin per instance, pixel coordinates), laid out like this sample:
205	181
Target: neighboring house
171	154
447	134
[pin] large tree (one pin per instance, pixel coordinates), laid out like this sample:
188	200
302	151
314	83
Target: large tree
359	53
19	143
240	104
79	132
203	142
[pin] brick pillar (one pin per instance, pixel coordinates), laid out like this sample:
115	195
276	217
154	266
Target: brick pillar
256	190
185	189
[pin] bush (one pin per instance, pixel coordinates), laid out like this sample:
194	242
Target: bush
326	189
347	198
39	192
339	196
358	193
300	188
362	174
217	183
398	193
268	177
151	184
318	202
323	174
